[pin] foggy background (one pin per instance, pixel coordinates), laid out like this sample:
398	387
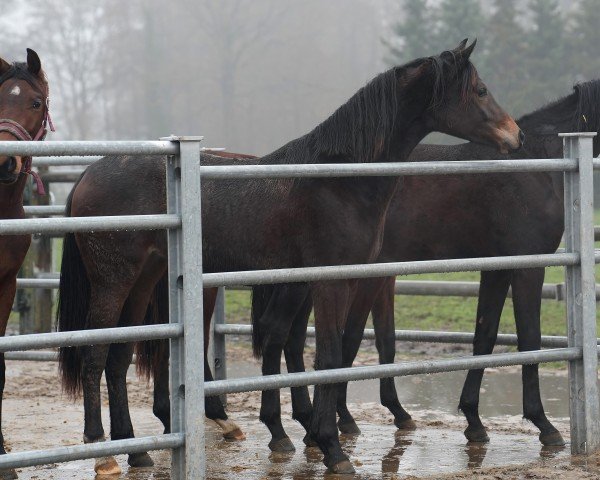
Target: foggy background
251	75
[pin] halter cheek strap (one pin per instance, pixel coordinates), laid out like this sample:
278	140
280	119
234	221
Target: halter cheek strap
20	133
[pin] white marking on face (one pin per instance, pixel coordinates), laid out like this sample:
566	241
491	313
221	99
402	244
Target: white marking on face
16	90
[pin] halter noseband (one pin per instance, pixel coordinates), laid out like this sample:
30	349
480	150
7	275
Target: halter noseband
20	133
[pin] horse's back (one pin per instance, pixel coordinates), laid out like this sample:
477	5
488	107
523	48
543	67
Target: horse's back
471	215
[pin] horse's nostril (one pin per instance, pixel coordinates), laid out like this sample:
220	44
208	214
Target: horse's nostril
11	164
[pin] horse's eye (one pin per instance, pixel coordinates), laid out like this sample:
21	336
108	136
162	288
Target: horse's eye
482	91
37	104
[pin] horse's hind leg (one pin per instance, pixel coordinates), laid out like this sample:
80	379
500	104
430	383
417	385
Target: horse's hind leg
213	407
331	304
492	294
117	364
276	321
120	355
294	359
385	338
105	308
161	406
7	294
527	297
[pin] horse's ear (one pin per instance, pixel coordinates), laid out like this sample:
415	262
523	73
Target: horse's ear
33	62
4	66
465	53
461	45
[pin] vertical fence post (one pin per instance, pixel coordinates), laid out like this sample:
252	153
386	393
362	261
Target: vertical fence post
581	295
219	352
185	306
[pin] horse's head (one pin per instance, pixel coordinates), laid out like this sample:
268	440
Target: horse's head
461	103
23	109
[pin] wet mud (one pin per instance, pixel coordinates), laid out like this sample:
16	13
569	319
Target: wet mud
37	415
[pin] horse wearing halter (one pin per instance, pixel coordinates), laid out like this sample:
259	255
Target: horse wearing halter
20	133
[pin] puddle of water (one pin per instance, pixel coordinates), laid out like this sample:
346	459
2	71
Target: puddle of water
380	452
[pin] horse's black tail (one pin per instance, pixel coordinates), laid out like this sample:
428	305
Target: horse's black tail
261	294
73	307
151	353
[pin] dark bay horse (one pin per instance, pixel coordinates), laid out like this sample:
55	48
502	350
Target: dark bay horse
266	223
23	116
461	216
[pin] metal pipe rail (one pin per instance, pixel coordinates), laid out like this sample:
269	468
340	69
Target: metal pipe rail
386	169
305	274
43	210
90	337
319	377
91	450
66	161
89	148
89	224
62	176
549	341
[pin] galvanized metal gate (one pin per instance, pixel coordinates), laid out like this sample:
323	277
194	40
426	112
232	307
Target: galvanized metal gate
186	282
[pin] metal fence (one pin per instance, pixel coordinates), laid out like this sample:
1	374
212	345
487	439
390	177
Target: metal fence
183	222
185	261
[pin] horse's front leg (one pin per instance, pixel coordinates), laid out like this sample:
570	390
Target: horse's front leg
353	333
331	303
7	294
492	294
527	297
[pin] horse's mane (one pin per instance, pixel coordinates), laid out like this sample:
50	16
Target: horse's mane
579	111
587	115
21	71
363	127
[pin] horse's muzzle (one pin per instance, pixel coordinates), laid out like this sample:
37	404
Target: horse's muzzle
9	170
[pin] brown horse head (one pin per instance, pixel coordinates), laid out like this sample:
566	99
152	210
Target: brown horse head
23	109
463	106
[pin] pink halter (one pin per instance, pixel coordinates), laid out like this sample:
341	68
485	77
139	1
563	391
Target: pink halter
20	133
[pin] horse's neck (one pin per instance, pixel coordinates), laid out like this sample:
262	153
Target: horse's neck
11	198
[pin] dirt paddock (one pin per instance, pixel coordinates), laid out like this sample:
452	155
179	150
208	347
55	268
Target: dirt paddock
37	415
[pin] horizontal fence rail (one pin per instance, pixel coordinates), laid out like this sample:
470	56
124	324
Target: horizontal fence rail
386	169
305	274
90	337
44	209
550	341
91	148
319	377
91	450
89	224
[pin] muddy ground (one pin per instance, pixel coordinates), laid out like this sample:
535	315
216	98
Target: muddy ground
37	415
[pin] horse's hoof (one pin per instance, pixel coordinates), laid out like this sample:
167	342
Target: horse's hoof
140	460
349	428
9	474
309	441
406	424
476	435
552	439
282	445
342	468
107	466
230	430
236	435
